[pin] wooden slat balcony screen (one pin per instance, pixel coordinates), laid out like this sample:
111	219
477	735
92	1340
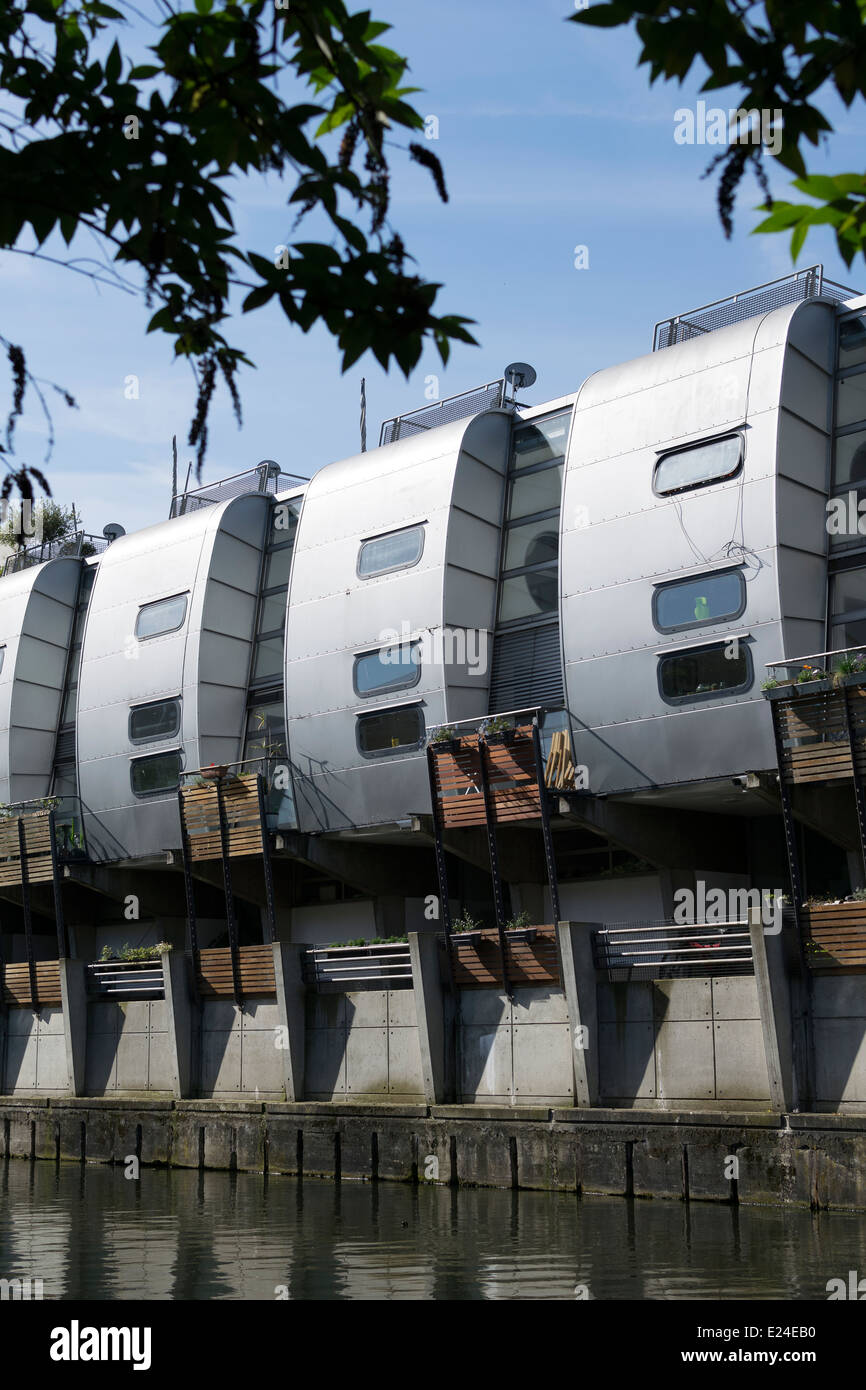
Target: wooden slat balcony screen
514	789
214	971
813	736
15	984
834	937
476	961
37	843
243	820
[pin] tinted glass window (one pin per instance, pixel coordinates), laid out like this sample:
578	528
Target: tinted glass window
698	465
852	342
851	458
166	615
159	720
278	568
851	400
537	492
527	595
392	668
158	774
706	598
538	443
703	673
2	657
272	615
534	543
268	659
396	551
390	731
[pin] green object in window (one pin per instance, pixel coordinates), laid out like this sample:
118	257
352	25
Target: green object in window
702	609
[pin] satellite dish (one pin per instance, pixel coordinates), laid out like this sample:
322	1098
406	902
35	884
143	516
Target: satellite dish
520	376
112	531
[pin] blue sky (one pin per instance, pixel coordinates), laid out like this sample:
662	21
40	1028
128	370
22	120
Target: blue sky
551	138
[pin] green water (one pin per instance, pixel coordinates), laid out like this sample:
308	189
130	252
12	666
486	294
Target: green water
90	1233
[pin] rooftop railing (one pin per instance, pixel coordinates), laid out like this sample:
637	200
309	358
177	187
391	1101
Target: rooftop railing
265	477
490	396
774	294
79	546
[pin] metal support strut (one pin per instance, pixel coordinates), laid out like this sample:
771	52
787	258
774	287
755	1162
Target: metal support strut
231	920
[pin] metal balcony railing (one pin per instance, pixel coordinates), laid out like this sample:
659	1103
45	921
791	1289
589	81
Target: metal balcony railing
774	294
661	950
127	979
333	969
265	477
490	396
75	547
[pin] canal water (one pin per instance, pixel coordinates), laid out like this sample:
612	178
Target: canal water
91	1233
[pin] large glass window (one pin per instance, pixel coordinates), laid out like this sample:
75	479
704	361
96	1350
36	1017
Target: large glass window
390	668
697	465
390	731
529	587
848	609
541	442
2	657
166	615
704	672
267	662
701	599
852	342
161	719
396	551
160	773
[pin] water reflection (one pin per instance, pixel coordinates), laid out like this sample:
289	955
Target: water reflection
90	1233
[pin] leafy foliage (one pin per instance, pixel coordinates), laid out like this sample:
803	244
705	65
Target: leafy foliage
780	53
143	156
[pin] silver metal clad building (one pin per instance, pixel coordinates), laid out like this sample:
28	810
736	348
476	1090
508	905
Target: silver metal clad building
693	517
628	557
398	547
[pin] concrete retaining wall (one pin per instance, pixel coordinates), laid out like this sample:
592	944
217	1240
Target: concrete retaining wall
839	1041
515	1051
34	1056
816	1161
363	1046
237	1049
669	1041
127	1047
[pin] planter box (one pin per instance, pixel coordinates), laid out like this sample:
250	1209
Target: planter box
838	930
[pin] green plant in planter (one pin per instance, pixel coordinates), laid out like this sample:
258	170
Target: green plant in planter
811	673
519	923
444	734
128	952
465	923
497	725
858	895
770	684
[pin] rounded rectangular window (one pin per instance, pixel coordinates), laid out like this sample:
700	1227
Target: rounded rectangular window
161	719
704	673
390	731
699	600
697	465
390	668
155	775
166	615
396	551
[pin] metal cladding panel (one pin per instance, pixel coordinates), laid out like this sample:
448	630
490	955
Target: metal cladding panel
334	614
620	540
212	555
37	607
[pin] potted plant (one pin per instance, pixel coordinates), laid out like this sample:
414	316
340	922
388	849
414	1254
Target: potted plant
815	677
466	926
497	729
851	670
520	927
